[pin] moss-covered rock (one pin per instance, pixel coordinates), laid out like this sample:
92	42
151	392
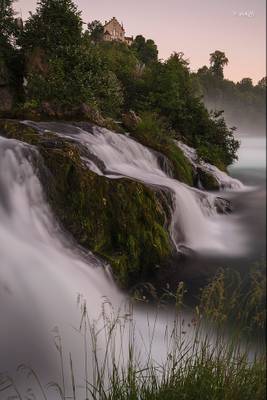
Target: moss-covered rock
181	167
153	132
121	220
208	181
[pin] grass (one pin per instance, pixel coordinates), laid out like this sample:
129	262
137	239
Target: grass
154	133
202	361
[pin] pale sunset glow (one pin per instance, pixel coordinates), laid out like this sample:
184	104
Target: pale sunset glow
196	28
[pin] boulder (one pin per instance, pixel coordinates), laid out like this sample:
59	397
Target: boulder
130	120
223	206
207	180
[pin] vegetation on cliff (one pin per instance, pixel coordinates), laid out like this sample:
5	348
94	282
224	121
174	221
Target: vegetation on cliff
72	73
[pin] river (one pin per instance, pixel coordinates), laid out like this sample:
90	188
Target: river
251	170
247	222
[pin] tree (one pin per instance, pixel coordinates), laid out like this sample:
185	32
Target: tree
11	68
121	60
95	30
246	83
203	70
55	24
145	50
8	26
169	89
217	62
262	82
64	68
76	77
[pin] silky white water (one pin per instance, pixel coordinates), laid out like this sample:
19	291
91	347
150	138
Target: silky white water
40	279
225	181
40	276
42	272
195	223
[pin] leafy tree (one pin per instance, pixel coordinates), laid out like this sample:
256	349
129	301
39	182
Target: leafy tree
77	76
74	73
169	88
8	26
79	69
245	83
262	82
55	24
95	30
146	50
122	61
11	68
218	60
203	70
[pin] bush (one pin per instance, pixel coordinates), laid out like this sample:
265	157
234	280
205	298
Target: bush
76	75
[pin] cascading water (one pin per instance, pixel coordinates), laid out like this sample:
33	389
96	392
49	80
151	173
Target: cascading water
195	223
41	274
225	181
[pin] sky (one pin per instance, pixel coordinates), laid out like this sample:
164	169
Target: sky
195	27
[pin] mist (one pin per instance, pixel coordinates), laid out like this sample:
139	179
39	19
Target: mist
249	120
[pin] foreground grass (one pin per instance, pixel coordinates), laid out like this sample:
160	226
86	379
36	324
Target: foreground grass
201	362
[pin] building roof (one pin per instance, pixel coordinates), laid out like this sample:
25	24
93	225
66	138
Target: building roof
114	19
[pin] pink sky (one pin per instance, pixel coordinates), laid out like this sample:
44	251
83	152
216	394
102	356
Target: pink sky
237	27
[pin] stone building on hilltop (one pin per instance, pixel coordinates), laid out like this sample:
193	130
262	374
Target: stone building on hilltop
114	31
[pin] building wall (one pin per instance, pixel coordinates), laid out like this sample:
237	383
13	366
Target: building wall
115	30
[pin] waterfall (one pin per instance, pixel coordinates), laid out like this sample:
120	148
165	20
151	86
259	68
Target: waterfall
195	223
225	181
40	275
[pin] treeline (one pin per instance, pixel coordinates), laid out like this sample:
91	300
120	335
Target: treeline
244	104
54	68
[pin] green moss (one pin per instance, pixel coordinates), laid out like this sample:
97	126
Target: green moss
208	181
181	168
121	220
13	130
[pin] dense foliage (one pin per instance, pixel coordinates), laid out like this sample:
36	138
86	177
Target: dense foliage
145	50
54	25
66	69
10	58
72	73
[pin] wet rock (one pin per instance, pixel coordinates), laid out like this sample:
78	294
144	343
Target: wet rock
207	180
223	206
